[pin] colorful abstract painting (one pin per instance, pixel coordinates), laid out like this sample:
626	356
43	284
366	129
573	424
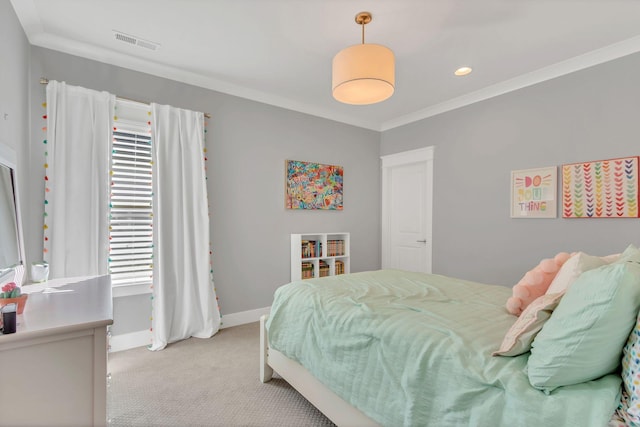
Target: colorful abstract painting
534	193
313	186
602	189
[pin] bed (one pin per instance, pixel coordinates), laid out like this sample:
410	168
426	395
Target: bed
397	348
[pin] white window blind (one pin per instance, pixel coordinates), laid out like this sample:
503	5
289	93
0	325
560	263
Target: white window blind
131	216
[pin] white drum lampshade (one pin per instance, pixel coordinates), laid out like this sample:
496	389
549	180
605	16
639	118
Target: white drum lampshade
364	73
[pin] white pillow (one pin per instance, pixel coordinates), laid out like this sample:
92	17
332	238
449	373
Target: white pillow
570	270
521	334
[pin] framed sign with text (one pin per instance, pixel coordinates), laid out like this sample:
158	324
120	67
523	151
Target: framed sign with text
534	193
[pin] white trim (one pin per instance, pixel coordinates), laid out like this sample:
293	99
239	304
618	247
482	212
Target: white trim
407	157
404	158
243	317
76	48
571	65
28	15
129	290
128	341
143	338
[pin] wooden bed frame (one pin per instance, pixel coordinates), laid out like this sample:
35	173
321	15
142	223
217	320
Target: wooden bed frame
330	404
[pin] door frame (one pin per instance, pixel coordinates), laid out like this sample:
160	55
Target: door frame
400	159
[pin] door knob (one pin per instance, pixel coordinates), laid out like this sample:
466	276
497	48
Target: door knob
421	241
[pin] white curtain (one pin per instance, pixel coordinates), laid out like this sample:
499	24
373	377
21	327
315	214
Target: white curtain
76	225
184	300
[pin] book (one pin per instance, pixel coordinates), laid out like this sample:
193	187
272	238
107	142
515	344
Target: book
324	269
309	249
335	247
307	270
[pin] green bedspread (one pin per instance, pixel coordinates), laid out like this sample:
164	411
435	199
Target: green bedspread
415	349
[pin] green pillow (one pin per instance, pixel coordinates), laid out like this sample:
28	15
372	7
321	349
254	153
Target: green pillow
630	254
583	338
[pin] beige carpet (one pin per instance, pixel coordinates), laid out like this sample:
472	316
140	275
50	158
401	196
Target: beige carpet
196	382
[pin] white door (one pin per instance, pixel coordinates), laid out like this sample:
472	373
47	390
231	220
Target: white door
407	204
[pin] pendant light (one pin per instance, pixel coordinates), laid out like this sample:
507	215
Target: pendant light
364	73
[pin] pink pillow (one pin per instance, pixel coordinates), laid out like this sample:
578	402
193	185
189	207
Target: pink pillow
521	334
535	283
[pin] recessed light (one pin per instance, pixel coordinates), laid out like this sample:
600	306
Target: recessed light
463	71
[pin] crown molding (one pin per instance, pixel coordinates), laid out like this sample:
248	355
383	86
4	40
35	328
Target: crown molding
589	59
111	57
30	21
28	17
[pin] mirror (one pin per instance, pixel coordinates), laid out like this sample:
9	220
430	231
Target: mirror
11	246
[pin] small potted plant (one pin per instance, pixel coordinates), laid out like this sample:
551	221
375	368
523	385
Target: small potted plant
12	293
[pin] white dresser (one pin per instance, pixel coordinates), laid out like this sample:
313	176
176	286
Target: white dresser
54	368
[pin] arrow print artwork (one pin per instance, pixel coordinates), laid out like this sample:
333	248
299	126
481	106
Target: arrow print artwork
601	189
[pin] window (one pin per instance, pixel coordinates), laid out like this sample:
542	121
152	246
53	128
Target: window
131	215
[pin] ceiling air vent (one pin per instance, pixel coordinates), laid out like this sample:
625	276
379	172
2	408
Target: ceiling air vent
136	41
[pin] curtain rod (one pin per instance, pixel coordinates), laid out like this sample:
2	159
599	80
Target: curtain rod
44	81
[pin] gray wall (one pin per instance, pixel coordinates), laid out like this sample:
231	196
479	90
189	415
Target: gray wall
588	115
592	114
247	145
14	75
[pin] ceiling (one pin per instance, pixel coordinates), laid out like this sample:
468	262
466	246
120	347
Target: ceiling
279	51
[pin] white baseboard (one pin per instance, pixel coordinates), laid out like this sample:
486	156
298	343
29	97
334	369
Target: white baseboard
143	338
244	317
131	340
